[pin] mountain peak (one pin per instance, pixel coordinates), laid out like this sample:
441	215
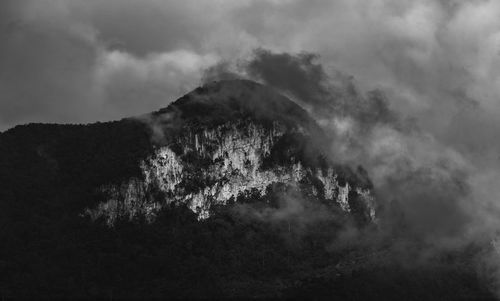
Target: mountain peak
229	100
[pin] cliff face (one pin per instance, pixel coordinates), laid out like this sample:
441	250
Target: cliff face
226	141
243	153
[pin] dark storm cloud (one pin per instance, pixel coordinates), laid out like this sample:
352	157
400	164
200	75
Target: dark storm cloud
299	74
326	94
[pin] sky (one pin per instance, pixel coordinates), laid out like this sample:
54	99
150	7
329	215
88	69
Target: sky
75	61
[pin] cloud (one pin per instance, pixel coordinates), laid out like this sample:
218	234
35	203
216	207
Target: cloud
327	95
427	55
61	61
131	85
431	190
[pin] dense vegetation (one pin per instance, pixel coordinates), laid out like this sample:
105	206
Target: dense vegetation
232	254
56	168
256	247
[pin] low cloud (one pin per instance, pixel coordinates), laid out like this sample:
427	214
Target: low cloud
431	191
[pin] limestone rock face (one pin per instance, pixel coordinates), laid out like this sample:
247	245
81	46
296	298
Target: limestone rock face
231	140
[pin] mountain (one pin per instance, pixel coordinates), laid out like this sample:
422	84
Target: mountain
227	192
221	143
229	141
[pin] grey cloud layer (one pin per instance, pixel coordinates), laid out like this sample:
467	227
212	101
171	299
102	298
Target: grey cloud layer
81	61
429	54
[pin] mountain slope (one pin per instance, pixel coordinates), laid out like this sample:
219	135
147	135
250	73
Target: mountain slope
228	141
227	192
224	141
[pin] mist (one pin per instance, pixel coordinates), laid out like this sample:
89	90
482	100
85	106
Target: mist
436	188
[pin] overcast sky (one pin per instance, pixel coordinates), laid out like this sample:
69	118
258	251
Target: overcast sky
87	60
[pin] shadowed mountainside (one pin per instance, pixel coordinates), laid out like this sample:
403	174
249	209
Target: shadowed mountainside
224	193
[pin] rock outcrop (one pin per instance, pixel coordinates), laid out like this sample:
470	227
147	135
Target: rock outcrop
250	139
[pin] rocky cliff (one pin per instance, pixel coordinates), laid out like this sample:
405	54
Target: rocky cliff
245	140
229	192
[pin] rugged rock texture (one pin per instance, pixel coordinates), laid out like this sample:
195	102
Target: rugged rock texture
246	139
226	141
